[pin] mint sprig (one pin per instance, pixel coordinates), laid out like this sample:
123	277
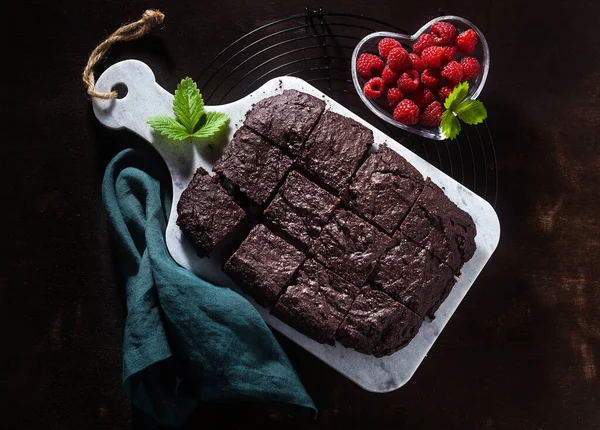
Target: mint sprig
190	119
470	111
450	125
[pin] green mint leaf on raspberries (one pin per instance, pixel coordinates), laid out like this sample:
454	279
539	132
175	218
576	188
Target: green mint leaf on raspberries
458	94
190	120
471	111
168	127
188	105
211	123
450	125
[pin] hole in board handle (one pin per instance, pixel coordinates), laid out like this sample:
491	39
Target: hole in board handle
121	89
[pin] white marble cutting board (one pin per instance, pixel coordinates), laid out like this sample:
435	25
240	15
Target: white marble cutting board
146	98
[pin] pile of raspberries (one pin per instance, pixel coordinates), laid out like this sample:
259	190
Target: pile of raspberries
415	85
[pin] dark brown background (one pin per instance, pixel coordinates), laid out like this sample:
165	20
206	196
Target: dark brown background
521	352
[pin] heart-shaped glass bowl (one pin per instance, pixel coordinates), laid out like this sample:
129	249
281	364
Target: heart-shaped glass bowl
369	45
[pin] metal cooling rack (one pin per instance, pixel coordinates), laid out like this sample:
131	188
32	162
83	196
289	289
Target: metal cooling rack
317	47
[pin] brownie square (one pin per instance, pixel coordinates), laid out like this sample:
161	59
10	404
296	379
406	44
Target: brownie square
384	188
206	213
316	303
350	246
263	265
301	208
441	227
377	324
334	149
286	119
414	277
252	165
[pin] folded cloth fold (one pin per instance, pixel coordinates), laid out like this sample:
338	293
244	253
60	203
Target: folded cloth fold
186	340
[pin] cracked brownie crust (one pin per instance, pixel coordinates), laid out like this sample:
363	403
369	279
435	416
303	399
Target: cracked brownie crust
301	208
414	277
350	246
206	213
252	165
286	119
441	227
263	265
384	188
316	303
334	149
377	324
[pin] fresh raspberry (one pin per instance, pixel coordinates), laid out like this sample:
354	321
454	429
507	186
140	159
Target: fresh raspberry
450	52
466	41
433	56
444	92
386	45
432	115
408	81
470	67
430	78
369	65
398	60
417	63
389	77
374	88
422	96
425	41
394	96
406	112
443	32
453	72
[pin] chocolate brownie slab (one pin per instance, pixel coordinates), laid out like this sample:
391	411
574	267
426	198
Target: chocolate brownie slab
252	165
441	227
206	213
413	276
286	119
384	188
334	149
377	324
316	303
301	208
263	265
350	246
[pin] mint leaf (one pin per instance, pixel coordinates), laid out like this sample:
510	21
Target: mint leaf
472	112
188	108
457	95
450	125
188	105
211	123
168	127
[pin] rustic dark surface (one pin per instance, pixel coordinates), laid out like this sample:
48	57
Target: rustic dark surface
521	352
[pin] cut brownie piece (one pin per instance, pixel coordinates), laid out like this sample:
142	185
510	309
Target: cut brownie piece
301	208
334	149
206	213
350	246
377	324
413	276
263	265
441	227
286	119
252	165
384	188
316	303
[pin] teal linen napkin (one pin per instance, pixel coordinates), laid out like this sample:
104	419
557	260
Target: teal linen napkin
186	340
